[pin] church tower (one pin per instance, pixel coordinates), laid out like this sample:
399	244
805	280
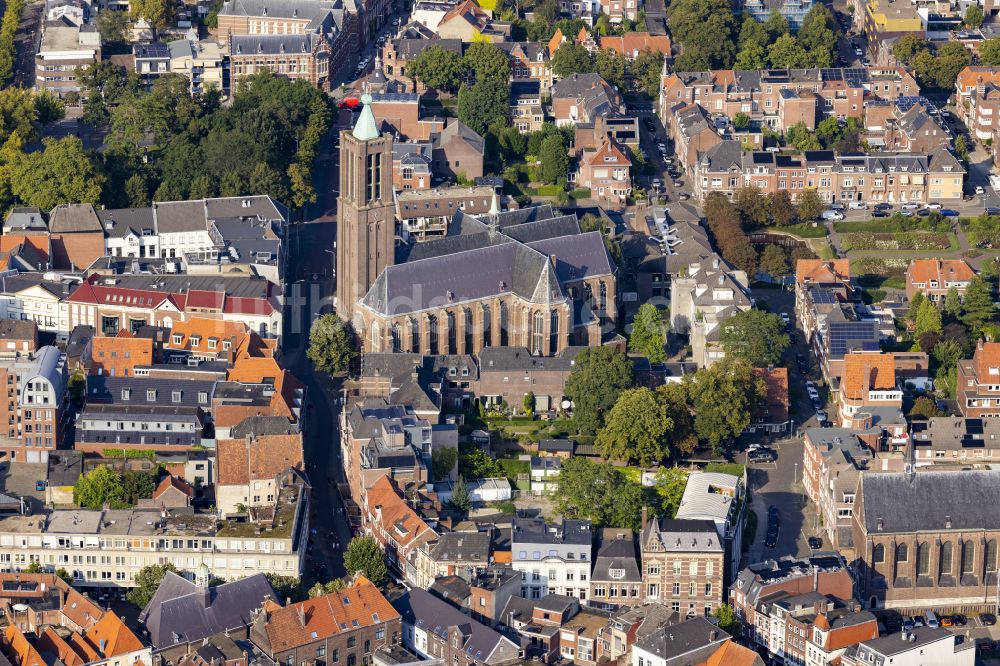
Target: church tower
366	226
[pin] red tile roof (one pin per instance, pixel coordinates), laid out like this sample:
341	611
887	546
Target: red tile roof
197	298
942	270
112	638
822	272
867	371
172	481
265	458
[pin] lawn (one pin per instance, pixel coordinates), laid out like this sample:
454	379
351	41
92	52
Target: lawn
802	230
893	225
899	241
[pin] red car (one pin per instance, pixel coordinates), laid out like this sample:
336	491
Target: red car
349	103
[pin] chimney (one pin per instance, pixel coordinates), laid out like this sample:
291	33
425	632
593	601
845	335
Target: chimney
552	258
645	516
302	614
815	579
713	635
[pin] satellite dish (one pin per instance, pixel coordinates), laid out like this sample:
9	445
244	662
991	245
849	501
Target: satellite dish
20	608
566	404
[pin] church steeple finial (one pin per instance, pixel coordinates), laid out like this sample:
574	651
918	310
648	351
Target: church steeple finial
366	128
494	205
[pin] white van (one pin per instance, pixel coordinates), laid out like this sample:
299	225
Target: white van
857	205
931	619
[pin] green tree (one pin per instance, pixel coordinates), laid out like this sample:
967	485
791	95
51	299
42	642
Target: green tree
751	204
728	621
756	336
483	105
331	344
646	70
285	587
780	208
474	463
636	429
705	29
265	179
528	402
439	68
62	573
927	319
487	61
113	26
722	396
776	26
48	108
810	205
137	485
669	485
974	16
818	35
741	121
61	173
962	148
443	461
674	398
598	377
102	485
947	353
800	137
334	586
599	492
924	408
555	160
648	331
978	306
147	581
950	59
158	13
571	58
611	66
989	51
907	47
34	568
364	554
774	261
461	500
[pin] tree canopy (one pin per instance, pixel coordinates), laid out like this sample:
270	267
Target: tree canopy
331	344
554	159
364	554
487	61
722	396
598	377
705	29
147	580
648	332
636	429
599	492
483	105
754	335
571	58
439	68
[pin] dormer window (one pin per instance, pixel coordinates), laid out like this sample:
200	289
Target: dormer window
616	574
177	338
195	340
213	343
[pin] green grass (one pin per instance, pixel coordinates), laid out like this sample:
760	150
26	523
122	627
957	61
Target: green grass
802	230
891	225
826	253
549	190
734	469
878	281
580	193
512	467
633	474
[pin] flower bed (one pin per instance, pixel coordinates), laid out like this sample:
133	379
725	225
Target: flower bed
907	240
880	265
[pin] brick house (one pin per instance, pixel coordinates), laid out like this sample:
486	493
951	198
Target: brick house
978	383
346	627
868	382
683	565
304	57
935	277
607	172
458	151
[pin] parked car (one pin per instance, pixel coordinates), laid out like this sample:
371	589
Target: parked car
821	416
880	213
832	215
762	455
949	212
39	486
979	189
683	196
858	52
934	205
987	619
882	206
912	205
959	620
923	212
678	183
905	213
858	205
815	542
993	211
785	318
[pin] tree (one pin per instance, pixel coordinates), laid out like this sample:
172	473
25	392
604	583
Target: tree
705	30
636	429
528	402
147	580
364	554
924	408
571	58
722	396
818	35
800	137
461	500
483	105
265	179
647	335
978	307
285	587
754	335
810	205
474	463
646	70
907	47
599	492
974	16
137	485
487	61
786	52
741	121
330	587
962	148
158	13
927	319
774	261
674	398
439	68
611	66
776	26
751	204
443	461
102	485
728	621
947	353
780	207
950	59
113	26
669	484
989	51
62	573
598	377
34	568
554	159
331	344
61	173
48	107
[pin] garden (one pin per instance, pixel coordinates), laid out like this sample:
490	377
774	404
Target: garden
898	242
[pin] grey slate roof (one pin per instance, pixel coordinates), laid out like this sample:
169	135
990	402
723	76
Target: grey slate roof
119	222
927	501
462	547
522	215
464	276
429	613
501	359
553	227
693	640
17	329
535	531
73	218
108	390
256	426
577	257
178	612
617	554
457	130
273	44
25	219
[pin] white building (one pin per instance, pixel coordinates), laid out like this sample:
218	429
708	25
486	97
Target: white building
552	559
720	498
922	646
29	296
